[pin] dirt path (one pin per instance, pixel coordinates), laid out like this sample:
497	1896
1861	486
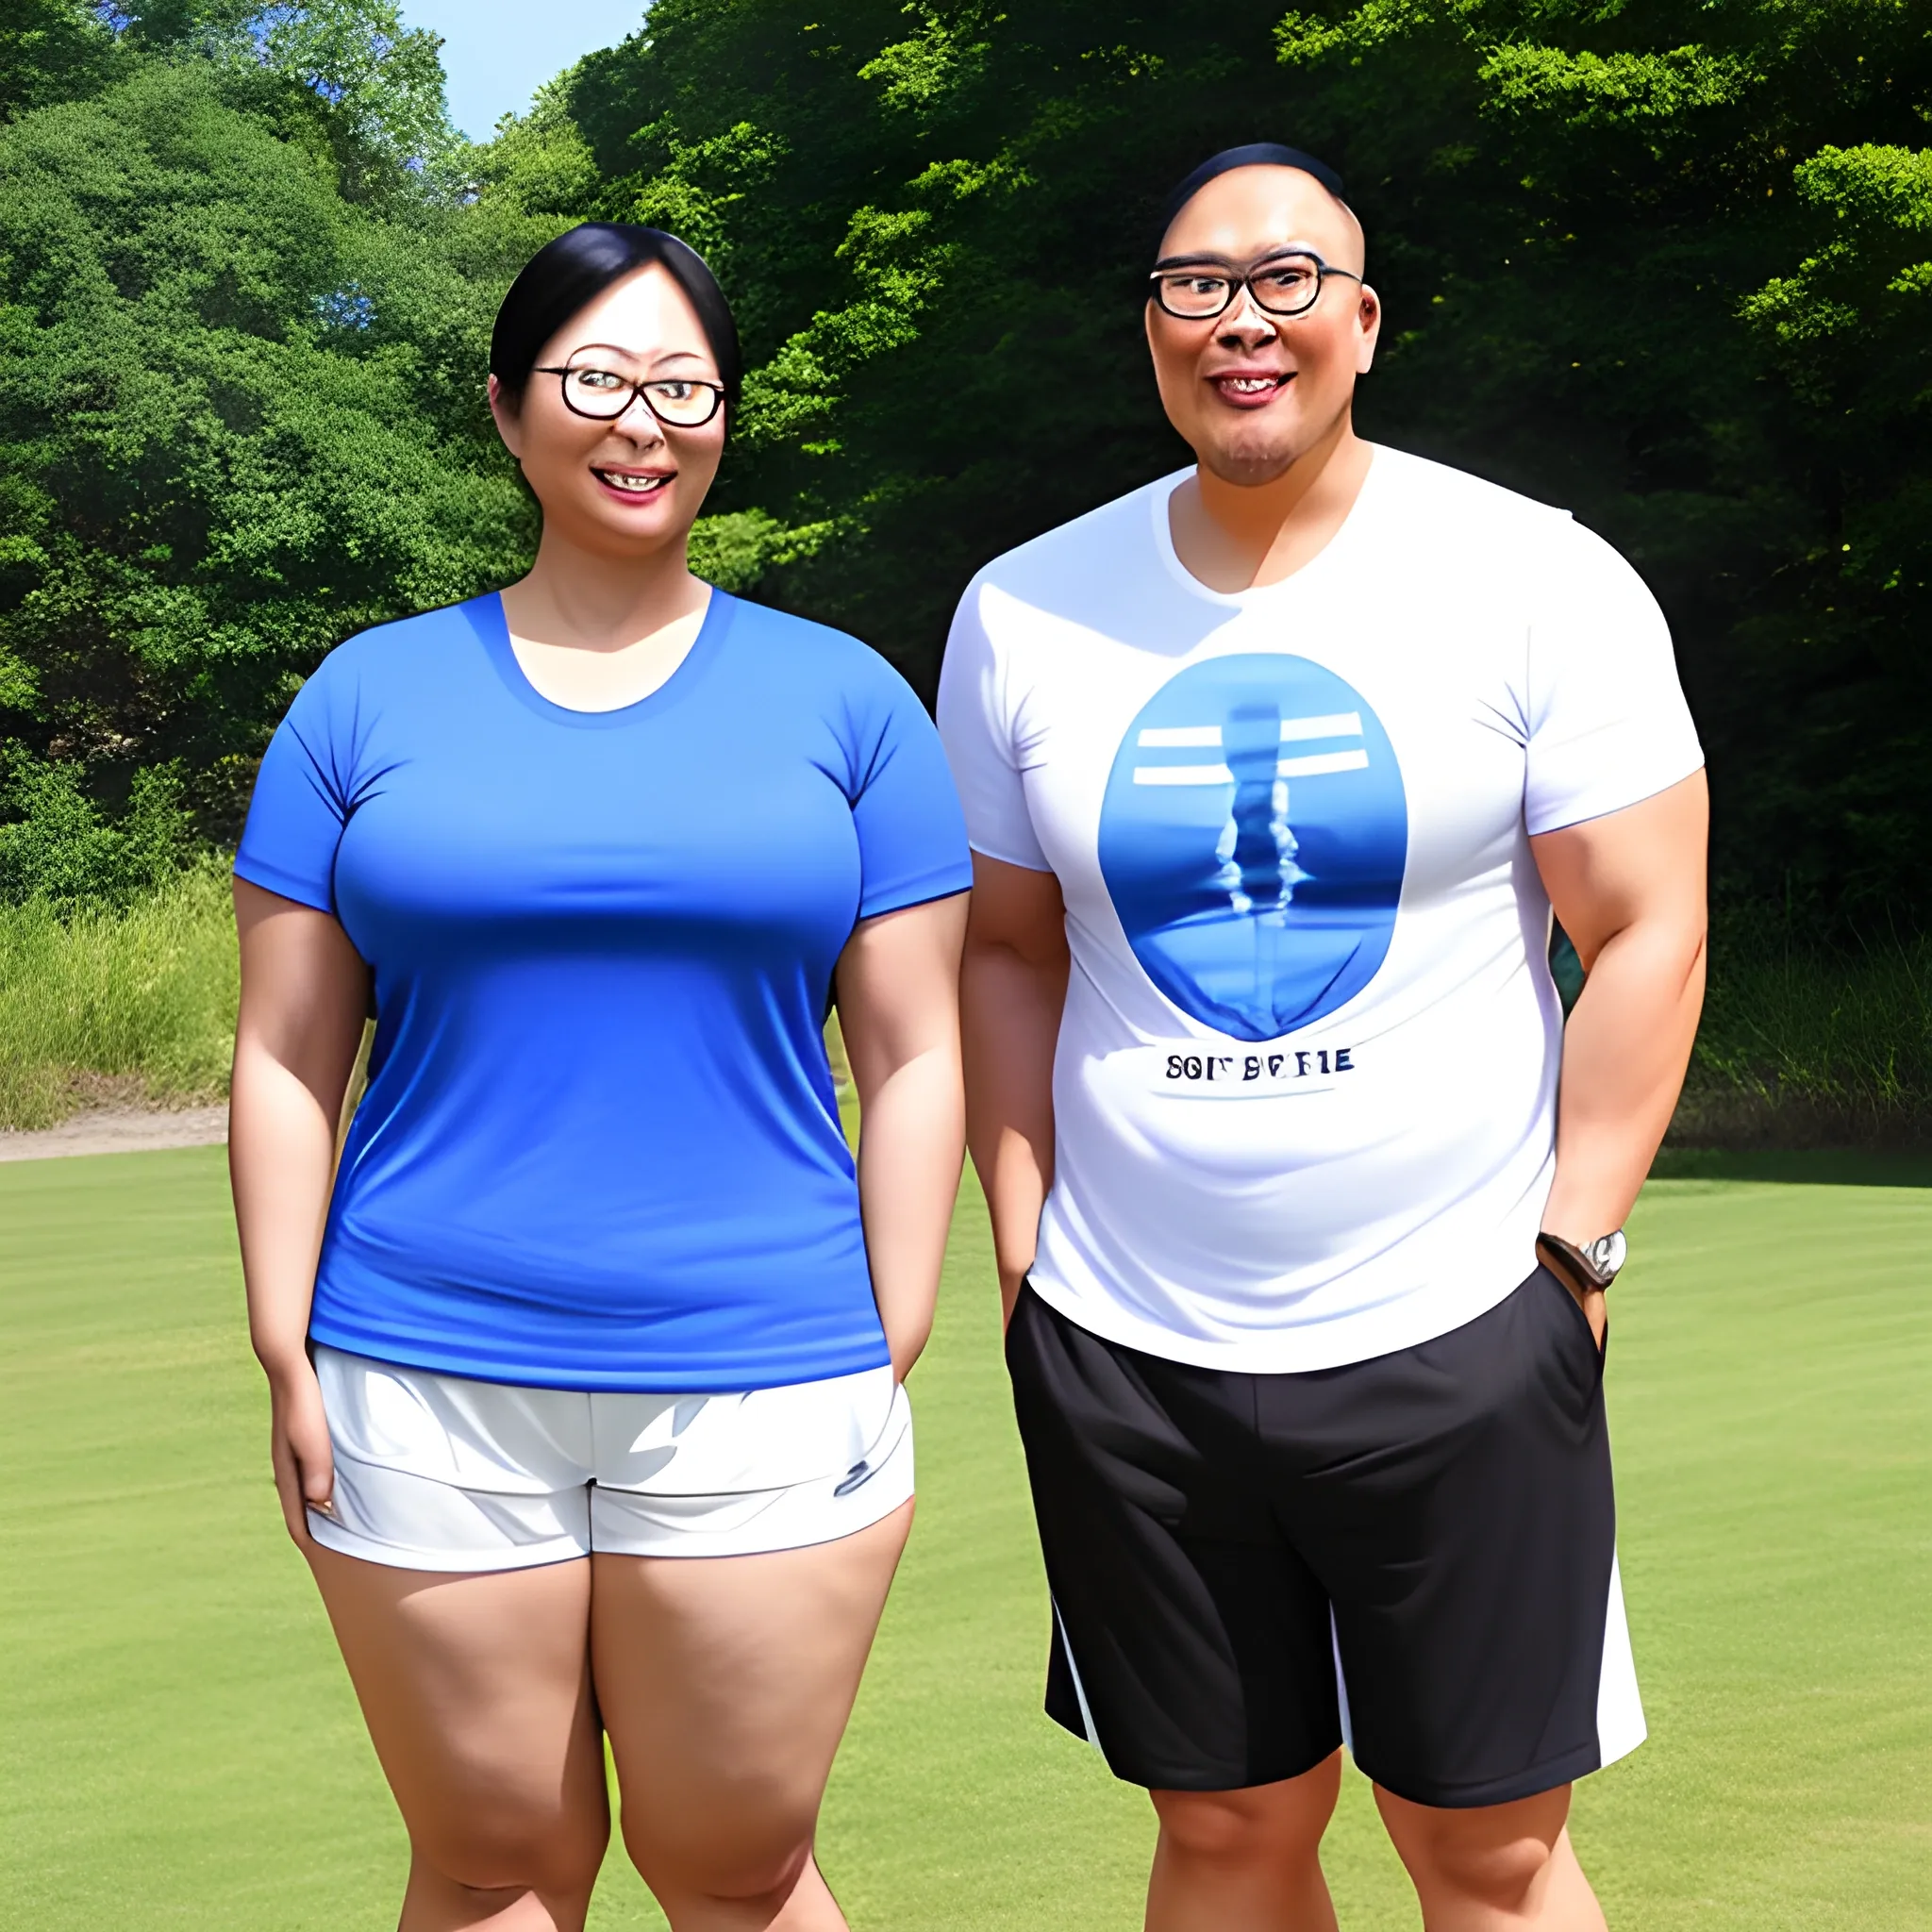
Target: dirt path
119	1130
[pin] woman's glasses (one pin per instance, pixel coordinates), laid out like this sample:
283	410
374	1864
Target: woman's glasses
602	382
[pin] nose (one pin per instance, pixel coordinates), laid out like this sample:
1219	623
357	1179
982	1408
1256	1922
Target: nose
636	421
1246	325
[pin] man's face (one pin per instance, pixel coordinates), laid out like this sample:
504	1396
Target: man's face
1249	391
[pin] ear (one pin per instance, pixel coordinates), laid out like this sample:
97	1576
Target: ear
1368	322
508	422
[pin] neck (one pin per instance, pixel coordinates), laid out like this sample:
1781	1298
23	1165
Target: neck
1238	536
587	600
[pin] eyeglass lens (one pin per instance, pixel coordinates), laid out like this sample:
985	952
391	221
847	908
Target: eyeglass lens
600	382
1284	286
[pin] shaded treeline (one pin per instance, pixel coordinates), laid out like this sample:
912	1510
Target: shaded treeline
1671	269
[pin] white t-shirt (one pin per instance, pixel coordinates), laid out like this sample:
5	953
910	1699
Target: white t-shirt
1304	1090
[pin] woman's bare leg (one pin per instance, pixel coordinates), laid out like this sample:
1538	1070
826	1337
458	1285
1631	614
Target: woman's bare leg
725	1683
476	1692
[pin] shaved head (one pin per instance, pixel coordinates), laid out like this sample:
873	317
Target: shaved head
1264	153
1233	210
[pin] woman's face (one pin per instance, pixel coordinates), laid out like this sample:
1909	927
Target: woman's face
627	485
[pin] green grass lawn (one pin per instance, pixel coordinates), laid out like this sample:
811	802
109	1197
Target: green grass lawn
178	1745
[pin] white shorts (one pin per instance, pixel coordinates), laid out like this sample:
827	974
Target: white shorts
437	1472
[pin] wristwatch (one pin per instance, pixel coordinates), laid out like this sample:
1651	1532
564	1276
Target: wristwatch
1592	1266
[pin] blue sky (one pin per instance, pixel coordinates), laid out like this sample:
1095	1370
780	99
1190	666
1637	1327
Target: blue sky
497	52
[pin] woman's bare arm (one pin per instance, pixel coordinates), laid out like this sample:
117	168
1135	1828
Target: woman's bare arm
1014	986
898	997
304	993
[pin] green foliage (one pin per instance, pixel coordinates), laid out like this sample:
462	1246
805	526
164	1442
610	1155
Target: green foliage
143	995
59	849
1660	267
1802	1047
51	50
1670	270
382	83
240	418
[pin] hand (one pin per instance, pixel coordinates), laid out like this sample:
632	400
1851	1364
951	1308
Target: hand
299	1450
905	1350
1596	1312
1011	1281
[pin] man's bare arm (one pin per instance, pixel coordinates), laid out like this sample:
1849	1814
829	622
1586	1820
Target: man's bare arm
1013	985
1630	889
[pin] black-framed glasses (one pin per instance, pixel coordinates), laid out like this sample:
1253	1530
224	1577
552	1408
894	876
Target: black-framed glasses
602	382
1285	281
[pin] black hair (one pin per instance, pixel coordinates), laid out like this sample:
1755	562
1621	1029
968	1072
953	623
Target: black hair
1256	154
565	275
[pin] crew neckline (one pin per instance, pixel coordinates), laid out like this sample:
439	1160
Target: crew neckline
691	671
1318	565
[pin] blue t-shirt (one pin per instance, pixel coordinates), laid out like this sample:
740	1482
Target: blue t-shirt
600	1147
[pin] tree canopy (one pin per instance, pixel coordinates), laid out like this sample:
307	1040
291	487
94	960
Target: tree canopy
1672	271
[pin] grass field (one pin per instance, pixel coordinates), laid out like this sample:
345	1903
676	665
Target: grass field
180	1747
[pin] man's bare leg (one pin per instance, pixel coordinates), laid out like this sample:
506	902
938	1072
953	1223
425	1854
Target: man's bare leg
1245	1861
1497	1867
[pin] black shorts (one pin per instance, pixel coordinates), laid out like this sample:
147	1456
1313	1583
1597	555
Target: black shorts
1418	1551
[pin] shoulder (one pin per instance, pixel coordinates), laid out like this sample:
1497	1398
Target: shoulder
1097	545
798	659
1460	504
399	652
1476	526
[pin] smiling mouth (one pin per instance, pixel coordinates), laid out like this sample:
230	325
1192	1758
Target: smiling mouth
634	482
1253	385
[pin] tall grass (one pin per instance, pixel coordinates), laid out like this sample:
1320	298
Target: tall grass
1801	1046
138	1002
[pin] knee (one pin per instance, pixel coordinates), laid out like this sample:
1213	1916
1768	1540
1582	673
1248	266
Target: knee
557	1858
746	1871
1482	1861
1498	1875
1265	1824
1210	1825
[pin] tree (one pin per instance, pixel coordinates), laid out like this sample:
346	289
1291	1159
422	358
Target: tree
1675	283
51	50
240	418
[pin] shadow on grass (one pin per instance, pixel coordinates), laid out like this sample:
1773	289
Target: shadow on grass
1834	1167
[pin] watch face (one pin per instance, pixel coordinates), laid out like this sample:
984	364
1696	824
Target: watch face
1608	1253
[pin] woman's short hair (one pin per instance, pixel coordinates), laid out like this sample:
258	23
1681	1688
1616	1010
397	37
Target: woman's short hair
566	275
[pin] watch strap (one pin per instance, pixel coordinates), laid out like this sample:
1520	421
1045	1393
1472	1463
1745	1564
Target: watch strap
1571	1266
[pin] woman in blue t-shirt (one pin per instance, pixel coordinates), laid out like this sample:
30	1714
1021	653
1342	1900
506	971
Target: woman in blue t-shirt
587	1367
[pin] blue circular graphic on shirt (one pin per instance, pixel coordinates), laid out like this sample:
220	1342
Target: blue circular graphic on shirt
1252	838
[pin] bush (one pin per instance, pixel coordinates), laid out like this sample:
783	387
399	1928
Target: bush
141	998
61	850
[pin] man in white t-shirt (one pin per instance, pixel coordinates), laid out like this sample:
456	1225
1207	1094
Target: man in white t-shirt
1304	1201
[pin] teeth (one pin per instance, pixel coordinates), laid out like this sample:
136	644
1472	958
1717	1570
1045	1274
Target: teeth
1252	385
637	486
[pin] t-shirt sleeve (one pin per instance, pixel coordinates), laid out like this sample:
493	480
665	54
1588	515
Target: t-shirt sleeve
303	794
975	724
1608	725
911	839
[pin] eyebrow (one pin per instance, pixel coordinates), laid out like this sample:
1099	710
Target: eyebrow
657	360
1207	259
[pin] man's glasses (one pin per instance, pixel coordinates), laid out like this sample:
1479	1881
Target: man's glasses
1197	288
602	382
